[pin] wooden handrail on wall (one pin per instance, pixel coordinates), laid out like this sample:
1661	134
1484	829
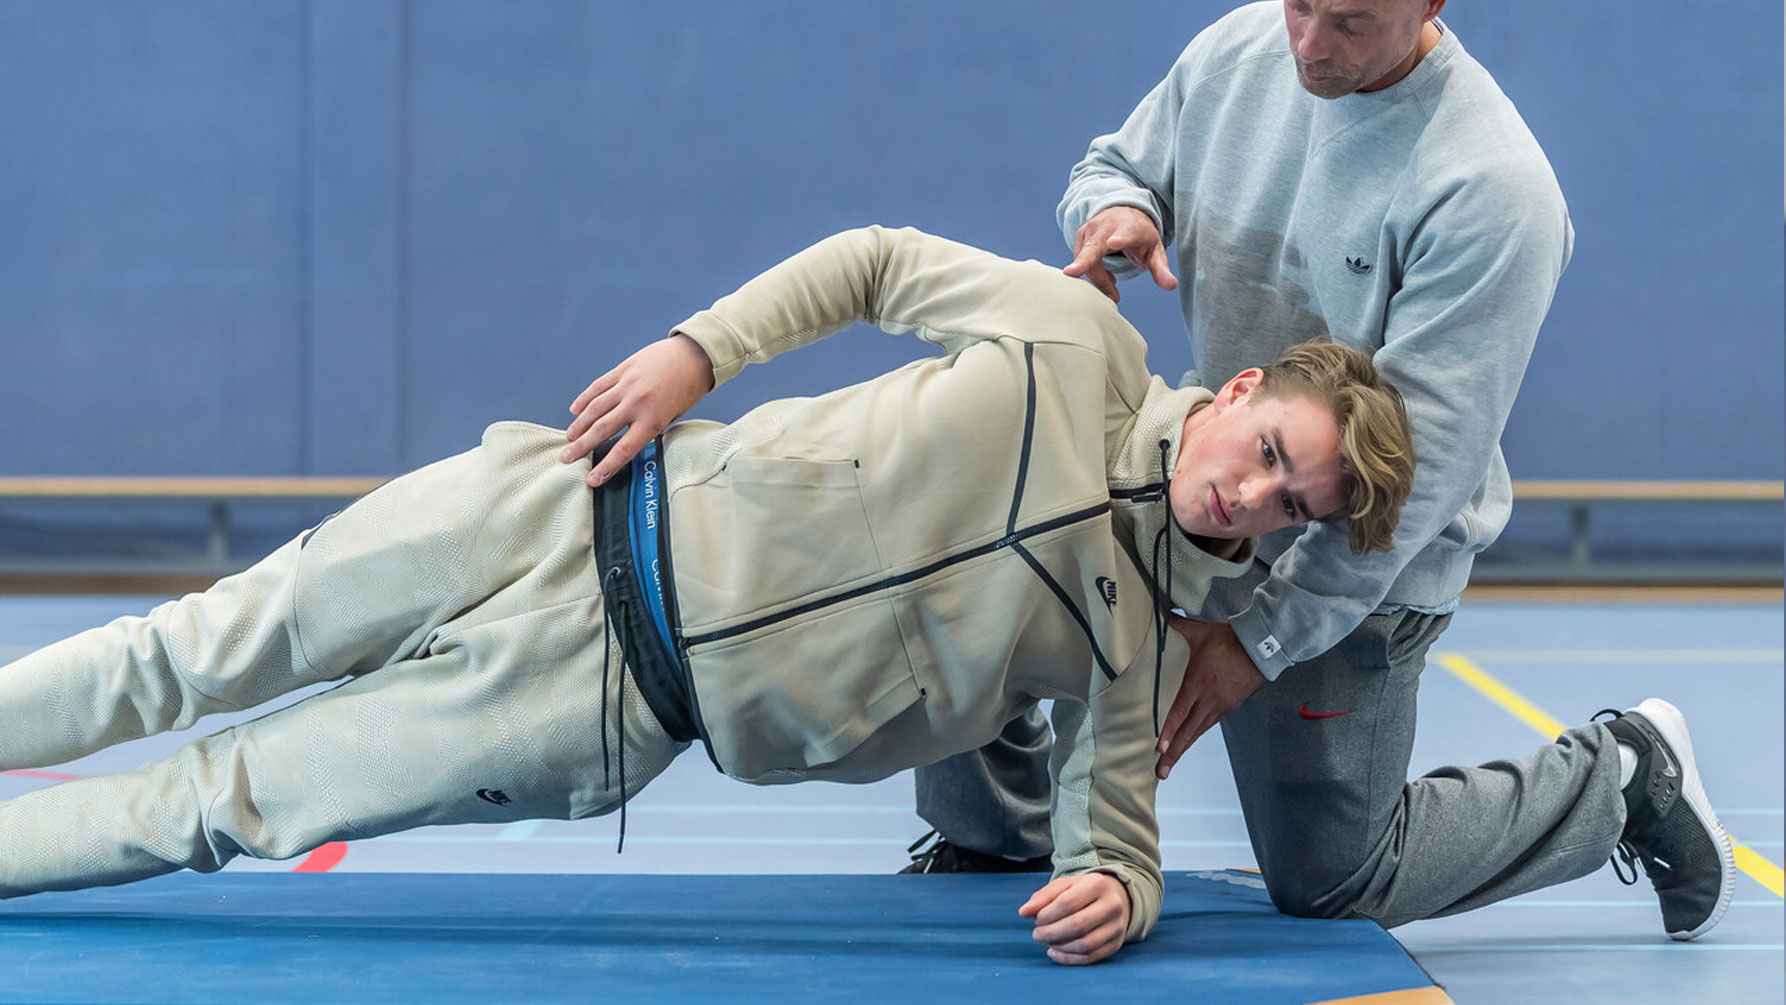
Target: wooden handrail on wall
1650	491
218	491
1581	495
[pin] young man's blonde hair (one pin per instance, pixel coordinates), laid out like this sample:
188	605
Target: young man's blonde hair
1376	449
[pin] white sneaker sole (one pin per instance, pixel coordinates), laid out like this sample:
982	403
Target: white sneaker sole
1669	721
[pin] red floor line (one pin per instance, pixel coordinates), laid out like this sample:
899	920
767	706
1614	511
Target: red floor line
323	859
51	776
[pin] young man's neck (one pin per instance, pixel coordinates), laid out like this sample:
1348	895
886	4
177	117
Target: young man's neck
1222	547
1193	421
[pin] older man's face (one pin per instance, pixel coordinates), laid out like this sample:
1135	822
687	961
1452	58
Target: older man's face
1342	46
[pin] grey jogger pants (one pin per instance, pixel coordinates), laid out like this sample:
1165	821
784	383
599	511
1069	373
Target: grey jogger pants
1336	826
459	604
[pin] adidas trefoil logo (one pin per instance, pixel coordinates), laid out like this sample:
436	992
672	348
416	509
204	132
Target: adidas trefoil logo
1358	266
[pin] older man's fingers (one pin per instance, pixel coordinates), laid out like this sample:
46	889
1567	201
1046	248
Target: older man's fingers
1187	734
1178	713
1089	251
1160	265
1101	278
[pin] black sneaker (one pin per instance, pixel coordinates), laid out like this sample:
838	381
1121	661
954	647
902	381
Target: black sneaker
1670	828
942	856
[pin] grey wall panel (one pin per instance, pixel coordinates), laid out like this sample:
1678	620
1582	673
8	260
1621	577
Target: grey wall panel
150	191
507	194
1663	353
583	179
354	128
341	237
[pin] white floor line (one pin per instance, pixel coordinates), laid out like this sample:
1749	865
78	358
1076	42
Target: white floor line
1421	950
828	809
1648	904
777	842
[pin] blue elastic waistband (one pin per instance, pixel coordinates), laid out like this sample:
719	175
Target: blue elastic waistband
645	508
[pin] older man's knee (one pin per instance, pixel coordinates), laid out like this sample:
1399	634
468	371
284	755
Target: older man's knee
1313	889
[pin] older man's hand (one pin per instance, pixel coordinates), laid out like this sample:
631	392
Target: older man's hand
1119	230
1217	679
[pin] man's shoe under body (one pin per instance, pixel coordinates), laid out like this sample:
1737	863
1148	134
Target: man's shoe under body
942	856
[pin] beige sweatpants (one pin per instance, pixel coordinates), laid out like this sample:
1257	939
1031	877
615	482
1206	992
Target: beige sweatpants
461	607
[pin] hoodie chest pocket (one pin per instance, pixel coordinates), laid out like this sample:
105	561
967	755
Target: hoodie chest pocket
767	531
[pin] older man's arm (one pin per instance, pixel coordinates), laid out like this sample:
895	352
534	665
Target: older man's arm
1458	334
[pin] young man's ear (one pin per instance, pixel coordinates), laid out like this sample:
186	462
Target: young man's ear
1239	386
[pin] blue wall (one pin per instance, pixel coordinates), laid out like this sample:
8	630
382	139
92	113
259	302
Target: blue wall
340	237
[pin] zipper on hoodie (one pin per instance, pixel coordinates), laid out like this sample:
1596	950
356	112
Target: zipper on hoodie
1007	541
1011	539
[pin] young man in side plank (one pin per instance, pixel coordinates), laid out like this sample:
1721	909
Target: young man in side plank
835	588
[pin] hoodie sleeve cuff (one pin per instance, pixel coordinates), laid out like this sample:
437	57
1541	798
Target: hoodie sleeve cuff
1144	901
722	344
1266	650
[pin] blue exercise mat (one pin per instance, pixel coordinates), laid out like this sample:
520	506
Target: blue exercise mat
435	938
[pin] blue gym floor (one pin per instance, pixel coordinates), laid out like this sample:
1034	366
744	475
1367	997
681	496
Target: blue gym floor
1592	940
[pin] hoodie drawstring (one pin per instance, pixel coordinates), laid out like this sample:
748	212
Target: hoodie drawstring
1162	596
620	712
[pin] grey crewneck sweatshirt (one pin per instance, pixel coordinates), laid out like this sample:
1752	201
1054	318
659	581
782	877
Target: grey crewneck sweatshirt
1420	223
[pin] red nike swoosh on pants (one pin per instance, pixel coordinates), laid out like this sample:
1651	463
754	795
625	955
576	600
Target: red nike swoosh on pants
1309	713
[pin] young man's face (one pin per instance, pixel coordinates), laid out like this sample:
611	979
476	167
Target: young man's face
1342	46
1251	464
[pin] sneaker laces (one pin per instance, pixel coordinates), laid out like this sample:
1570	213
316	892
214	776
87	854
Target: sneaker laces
1627	855
928	857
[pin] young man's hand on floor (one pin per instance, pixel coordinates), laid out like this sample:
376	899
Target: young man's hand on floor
1082	918
642	395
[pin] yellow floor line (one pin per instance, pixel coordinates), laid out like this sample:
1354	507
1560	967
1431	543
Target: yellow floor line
1758	866
1755	864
